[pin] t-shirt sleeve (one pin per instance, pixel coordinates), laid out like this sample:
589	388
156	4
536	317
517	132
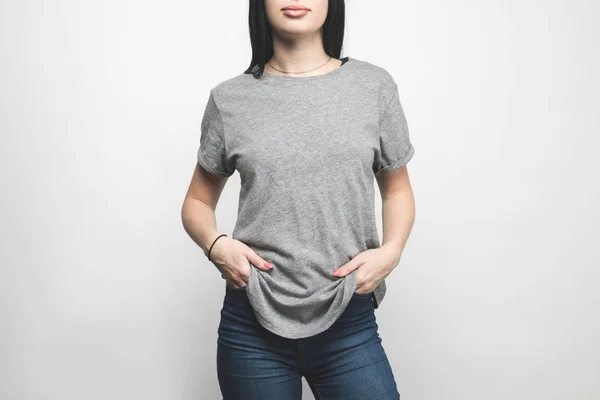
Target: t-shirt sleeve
212	154
395	148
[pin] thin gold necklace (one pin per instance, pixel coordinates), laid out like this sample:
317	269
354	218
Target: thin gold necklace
288	72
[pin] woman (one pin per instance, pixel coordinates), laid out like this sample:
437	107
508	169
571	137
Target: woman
308	133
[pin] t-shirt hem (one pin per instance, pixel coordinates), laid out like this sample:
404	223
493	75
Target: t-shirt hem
296	334
398	164
379	294
209	167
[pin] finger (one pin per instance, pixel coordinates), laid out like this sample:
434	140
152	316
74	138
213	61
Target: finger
257	260
348	267
240	282
362	286
237	281
234	280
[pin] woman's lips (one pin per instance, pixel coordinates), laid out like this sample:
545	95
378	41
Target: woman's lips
290	12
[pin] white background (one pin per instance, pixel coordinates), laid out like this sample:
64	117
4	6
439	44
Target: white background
104	296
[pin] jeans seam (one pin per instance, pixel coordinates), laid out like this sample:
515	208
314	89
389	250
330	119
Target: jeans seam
317	390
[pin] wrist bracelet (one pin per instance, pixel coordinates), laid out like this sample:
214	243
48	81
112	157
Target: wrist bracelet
213	243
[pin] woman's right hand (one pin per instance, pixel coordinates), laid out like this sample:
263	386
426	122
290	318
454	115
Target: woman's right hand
233	257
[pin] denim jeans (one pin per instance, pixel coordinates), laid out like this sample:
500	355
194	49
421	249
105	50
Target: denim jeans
346	361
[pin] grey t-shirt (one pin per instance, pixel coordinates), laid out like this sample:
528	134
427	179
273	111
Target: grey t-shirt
307	150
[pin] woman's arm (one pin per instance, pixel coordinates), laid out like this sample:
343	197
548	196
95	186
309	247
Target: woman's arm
232	257
199	205
398	210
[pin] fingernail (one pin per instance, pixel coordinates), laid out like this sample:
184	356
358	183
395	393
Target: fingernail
268	265
336	273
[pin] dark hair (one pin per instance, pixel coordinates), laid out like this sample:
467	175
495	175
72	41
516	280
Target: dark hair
262	42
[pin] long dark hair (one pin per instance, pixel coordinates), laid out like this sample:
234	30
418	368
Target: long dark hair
262	41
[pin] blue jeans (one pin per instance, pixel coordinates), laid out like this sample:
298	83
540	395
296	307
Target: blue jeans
346	361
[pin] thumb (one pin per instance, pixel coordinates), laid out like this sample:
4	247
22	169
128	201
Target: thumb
255	259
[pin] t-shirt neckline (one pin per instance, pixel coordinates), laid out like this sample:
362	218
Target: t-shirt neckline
284	78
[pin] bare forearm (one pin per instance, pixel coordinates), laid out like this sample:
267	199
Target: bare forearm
199	222
398	215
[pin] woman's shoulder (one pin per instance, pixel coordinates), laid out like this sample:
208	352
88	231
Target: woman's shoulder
231	84
375	71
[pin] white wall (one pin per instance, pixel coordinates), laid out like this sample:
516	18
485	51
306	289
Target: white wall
103	294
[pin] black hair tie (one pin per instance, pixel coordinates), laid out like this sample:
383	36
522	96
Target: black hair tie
213	243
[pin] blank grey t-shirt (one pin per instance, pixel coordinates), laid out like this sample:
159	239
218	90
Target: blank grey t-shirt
307	150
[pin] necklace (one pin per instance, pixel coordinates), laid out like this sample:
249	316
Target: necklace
303	72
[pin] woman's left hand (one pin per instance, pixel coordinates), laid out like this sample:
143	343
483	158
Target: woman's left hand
372	265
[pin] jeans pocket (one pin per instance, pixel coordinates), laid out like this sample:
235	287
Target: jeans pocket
363	295
236	289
